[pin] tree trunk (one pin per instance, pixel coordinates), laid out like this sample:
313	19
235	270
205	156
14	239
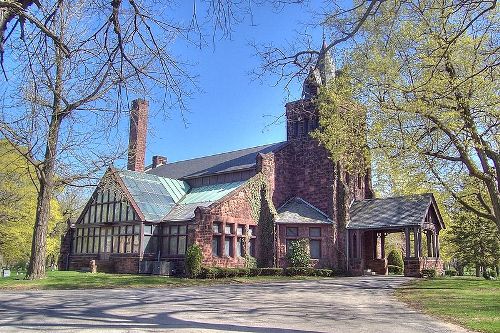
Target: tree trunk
478	270
36	267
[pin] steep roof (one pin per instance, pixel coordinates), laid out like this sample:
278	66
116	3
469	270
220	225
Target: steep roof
396	212
297	210
155	196
165	199
220	163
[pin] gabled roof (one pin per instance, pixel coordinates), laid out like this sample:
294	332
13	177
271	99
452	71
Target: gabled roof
396	212
155	196
297	210
160	198
208	165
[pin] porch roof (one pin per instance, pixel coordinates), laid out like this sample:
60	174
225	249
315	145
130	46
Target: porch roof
391	213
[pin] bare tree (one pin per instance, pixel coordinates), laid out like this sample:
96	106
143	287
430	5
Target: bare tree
70	72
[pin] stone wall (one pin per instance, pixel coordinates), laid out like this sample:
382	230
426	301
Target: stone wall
123	263
414	266
233	209
327	243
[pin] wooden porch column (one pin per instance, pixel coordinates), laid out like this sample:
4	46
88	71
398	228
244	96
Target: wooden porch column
358	243
382	245
375	244
407	241
417	241
436	235
430	243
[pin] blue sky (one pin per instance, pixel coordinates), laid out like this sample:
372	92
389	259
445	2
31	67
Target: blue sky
232	111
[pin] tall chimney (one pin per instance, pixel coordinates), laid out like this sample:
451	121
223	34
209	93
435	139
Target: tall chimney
137	135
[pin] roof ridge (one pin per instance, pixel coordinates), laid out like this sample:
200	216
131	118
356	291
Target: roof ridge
313	207
396	197
226	152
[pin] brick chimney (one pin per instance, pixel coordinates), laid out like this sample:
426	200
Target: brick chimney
158	160
137	135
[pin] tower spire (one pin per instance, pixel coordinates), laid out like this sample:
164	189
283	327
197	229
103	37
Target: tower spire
319	75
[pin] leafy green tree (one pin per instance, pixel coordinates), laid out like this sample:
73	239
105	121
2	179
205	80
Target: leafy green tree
475	241
18	195
430	84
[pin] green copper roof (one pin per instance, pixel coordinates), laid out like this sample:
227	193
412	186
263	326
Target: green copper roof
209	193
155	196
159	197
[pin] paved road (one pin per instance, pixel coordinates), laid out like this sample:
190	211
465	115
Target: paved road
361	304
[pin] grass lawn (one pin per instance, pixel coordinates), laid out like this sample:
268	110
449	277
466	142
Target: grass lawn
471	302
78	280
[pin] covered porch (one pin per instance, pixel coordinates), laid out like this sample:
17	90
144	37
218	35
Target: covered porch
415	218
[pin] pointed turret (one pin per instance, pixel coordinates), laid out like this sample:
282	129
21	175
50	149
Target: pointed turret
319	75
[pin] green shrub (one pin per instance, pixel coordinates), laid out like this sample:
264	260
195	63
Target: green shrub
307	271
299	271
450	272
395	269
255	271
430	273
395	258
220	272
298	253
194	257
323	272
270	271
250	262
208	273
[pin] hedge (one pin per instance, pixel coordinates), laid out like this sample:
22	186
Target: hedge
219	273
430	273
393	269
450	272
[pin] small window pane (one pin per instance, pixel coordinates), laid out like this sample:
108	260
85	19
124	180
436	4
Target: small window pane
314	232
182	229
173	245
228	230
137	229
216	246
240	247
251	231
228	248
98	214
252	247
182	245
240	230
84	245
216	227
174	230
128	244
293	232
315	248
136	243
123	215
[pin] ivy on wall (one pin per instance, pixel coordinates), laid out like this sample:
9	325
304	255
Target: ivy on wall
264	213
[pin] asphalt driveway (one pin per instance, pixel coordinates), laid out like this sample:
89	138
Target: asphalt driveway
358	304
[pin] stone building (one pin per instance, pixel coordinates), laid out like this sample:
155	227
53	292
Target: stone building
245	204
